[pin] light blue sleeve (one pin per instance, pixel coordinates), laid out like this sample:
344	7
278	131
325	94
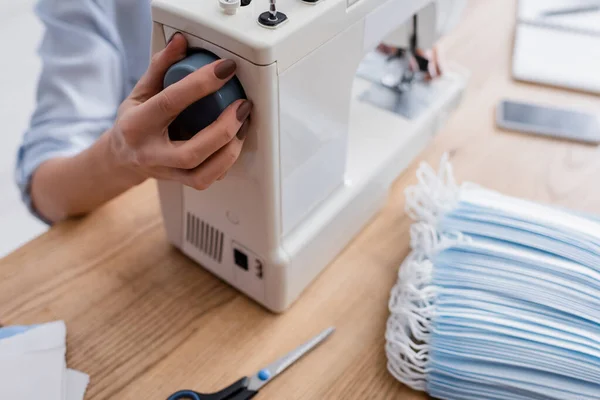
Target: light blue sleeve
80	86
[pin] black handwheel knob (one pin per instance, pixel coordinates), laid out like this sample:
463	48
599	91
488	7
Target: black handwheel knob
205	111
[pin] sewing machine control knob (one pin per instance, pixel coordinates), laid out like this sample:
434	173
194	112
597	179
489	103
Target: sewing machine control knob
229	6
272	19
205	111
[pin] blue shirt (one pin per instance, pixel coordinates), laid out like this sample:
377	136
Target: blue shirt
93	52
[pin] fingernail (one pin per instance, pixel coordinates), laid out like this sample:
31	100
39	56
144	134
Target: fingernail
224	69
243	110
241	135
173	37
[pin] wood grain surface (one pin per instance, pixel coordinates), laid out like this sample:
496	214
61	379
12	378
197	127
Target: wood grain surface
144	321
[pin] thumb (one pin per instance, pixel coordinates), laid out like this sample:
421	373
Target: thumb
151	82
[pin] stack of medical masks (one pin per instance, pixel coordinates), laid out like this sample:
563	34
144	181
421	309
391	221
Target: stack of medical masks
498	299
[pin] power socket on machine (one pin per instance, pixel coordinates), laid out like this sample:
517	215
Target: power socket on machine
249	272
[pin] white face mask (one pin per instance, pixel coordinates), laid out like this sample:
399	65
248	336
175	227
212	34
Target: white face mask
511	296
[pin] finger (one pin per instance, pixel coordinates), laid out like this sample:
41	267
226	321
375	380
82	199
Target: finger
431	66
222	177
412	64
436	62
207	173
190	154
151	82
170	102
385	49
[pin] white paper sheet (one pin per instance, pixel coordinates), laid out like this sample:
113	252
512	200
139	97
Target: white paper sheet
530	11
44	337
76	385
560	50
32	365
557	58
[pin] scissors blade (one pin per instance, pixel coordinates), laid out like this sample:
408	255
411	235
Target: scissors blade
268	373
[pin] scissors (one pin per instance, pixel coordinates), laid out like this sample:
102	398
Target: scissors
248	387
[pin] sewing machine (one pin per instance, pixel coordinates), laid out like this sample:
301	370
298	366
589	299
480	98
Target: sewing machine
322	150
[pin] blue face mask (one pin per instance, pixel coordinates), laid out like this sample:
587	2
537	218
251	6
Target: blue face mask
499	299
554	235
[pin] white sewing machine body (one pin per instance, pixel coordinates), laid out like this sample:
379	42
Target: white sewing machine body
318	162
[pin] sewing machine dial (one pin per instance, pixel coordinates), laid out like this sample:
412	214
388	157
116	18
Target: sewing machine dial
206	110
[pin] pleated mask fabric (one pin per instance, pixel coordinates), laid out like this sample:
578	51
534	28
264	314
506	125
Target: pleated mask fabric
498	299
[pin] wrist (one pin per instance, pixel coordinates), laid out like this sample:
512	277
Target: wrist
123	171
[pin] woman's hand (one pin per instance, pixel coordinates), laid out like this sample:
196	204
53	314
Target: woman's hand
140	142
434	69
138	146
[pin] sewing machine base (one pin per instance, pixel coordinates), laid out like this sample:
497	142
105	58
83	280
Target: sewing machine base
382	145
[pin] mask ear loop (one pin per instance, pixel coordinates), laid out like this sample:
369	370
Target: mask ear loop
434	194
428	241
408	327
412	299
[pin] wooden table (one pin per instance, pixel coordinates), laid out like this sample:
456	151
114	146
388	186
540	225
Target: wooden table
144	321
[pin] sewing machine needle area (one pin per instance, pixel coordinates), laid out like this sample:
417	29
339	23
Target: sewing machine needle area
395	87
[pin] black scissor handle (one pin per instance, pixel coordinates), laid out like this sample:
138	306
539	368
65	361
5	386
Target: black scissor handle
236	391
186	395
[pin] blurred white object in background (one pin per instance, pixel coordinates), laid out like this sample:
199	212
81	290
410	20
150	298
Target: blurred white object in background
558	50
566	16
20	33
